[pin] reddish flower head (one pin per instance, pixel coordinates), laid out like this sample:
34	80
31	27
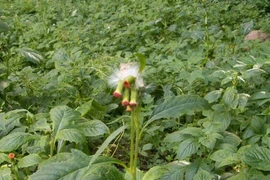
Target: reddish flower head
11	155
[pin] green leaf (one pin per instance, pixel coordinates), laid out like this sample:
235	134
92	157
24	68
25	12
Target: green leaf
72	135
92	108
30	160
175	170
213	95
179	105
220	155
257	157
231	138
195	166
187	148
154	173
13	141
171	171
258	125
240	176
5	173
93	128
229	95
176	136
208	141
142	60
193	131
3	27
229	160
31	55
203	175
3	158
62	118
106	143
75	167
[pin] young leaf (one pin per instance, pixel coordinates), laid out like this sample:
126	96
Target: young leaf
229	95
13	141
30	160
213	95
187	148
142	60
93	108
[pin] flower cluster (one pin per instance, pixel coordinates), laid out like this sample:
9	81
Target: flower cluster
127	81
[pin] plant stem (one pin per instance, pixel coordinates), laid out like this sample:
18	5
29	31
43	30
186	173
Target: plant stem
137	140
134	142
132	139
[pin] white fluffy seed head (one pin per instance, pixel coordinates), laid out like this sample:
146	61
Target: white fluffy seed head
126	69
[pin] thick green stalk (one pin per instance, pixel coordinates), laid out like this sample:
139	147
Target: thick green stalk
132	140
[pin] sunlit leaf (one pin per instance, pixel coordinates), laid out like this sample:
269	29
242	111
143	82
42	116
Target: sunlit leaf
31	55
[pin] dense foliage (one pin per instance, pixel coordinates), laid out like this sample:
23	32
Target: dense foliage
205	108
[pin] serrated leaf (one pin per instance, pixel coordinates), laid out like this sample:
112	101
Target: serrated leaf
187	148
232	159
31	55
175	170
220	155
13	141
257	157
179	105
203	175
194	167
231	139
93	128
72	135
62	118
30	160
75	167
208	141
213	95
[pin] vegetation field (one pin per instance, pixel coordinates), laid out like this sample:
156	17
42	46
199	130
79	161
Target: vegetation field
134	90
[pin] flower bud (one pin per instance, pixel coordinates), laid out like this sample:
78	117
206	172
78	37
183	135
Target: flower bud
125	101
133	96
11	155
118	92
